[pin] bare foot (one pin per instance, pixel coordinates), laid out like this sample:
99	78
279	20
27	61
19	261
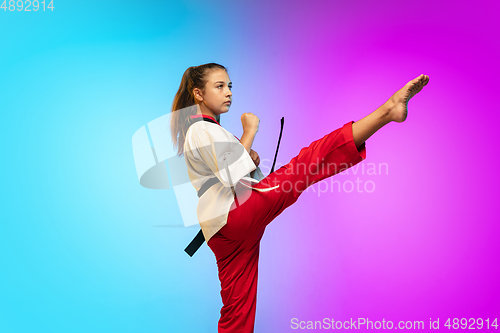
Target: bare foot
399	101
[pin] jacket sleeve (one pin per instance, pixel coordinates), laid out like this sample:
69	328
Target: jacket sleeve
223	154
257	174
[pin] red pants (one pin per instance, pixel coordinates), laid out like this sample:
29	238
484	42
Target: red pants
236	245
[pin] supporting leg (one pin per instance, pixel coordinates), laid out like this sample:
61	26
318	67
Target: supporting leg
395	109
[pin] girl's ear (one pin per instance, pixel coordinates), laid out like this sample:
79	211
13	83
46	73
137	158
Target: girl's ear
197	94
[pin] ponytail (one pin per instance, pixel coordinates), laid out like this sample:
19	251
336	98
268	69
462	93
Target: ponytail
184	104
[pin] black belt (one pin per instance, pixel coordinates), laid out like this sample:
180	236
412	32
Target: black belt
198	240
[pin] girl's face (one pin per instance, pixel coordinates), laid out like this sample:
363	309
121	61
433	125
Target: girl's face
217	93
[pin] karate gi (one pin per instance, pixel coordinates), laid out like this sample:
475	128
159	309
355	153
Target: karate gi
234	212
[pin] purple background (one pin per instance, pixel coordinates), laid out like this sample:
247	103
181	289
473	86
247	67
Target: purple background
424	244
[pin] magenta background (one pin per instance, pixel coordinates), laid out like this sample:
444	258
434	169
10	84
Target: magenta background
425	243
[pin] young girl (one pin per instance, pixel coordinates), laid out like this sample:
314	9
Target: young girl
236	202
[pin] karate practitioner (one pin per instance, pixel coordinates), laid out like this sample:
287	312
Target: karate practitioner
236	201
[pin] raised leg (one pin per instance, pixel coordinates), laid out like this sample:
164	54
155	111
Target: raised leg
395	109
367	126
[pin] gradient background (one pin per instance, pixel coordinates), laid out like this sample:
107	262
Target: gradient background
82	244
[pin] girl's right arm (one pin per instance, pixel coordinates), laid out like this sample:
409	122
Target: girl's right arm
247	140
250	123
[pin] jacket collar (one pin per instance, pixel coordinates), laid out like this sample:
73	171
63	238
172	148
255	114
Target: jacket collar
204	117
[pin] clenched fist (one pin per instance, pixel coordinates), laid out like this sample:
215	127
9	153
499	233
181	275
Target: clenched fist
250	122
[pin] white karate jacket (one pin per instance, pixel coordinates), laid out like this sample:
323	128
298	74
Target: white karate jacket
210	150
